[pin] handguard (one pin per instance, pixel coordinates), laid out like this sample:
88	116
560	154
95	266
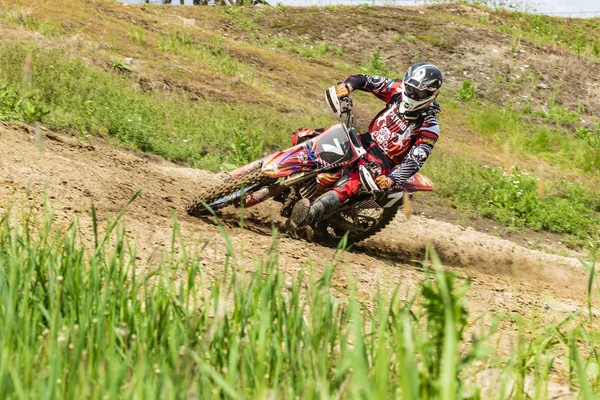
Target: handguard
366	179
333	101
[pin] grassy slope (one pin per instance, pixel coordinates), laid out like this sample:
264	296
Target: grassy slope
216	87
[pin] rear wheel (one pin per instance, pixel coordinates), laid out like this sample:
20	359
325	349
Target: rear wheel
226	193
358	223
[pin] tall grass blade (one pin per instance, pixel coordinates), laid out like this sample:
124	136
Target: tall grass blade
584	384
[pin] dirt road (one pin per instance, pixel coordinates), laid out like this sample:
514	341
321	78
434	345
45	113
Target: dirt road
73	174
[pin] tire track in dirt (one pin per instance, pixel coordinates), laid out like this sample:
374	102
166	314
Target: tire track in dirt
73	174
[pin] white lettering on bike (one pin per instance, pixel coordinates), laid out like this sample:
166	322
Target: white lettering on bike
337	149
395	197
303	158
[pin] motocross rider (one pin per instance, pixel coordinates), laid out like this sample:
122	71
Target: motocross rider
398	141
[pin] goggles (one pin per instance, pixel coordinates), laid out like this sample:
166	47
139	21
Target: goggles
416	94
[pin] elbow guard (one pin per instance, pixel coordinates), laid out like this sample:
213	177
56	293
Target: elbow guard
411	164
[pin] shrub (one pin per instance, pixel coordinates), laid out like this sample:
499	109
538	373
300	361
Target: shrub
466	92
15	105
376	65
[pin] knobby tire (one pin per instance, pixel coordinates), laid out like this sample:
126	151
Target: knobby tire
196	207
326	238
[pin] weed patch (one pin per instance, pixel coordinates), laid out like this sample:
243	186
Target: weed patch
246	147
513	199
20	107
120	66
376	65
466	92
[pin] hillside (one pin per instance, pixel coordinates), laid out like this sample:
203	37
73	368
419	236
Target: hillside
254	75
163	98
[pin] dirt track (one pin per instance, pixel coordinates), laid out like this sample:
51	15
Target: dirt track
73	174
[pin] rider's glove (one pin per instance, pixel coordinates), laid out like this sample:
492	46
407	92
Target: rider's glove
343	89
384	182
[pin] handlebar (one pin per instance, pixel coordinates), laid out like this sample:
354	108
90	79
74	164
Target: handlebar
342	106
348	111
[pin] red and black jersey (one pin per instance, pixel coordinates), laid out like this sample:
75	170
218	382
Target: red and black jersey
398	137
392	132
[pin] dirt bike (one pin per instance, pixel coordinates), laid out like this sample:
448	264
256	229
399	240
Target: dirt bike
290	175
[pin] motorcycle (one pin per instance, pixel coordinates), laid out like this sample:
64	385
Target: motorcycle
290	175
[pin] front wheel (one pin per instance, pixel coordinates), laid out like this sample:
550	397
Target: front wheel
226	193
358	223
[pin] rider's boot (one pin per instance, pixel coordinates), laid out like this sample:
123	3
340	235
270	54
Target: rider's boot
305	213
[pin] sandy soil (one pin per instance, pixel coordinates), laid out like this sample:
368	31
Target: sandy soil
73	174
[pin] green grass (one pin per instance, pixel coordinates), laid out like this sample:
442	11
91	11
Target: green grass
97	323
376	65
244	17
579	35
319	50
20	105
466	92
137	33
555	134
87	101
26	19
211	52
513	199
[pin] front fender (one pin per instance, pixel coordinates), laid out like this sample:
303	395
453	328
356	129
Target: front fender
418	183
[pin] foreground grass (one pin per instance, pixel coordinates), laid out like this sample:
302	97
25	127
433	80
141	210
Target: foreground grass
96	323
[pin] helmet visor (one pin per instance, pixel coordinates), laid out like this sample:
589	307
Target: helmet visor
417	94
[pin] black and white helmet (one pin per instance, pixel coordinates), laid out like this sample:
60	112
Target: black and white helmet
421	85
